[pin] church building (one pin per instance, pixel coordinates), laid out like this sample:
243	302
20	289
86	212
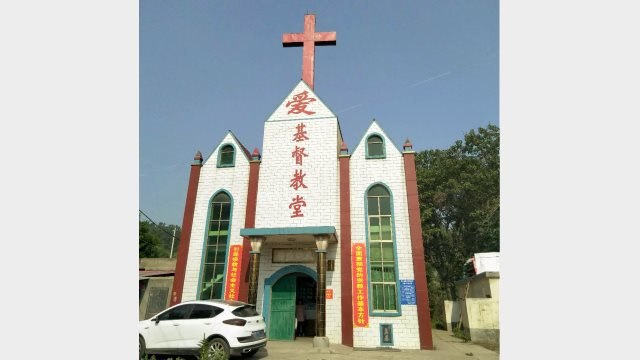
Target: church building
309	223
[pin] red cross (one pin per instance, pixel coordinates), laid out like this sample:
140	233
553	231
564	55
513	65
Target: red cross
308	40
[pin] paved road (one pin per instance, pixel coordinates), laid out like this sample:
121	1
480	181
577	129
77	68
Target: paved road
446	346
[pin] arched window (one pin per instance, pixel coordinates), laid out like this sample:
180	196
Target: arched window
216	247
375	147
227	156
382	257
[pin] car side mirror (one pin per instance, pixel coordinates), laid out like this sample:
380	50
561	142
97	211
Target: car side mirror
157	320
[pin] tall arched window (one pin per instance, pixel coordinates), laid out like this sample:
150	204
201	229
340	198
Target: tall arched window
227	156
216	247
381	250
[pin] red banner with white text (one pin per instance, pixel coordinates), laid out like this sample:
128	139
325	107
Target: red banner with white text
360	296
233	272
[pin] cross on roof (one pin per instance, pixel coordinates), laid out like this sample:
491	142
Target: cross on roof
308	40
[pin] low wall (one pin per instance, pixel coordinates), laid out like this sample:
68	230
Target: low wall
451	313
155	297
481	320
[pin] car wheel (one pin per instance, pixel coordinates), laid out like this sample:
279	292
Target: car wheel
217	349
250	353
142	349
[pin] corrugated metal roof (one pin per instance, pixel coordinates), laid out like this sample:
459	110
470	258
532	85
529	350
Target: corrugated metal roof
154	273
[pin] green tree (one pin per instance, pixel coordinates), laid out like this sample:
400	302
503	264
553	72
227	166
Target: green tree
150	246
164	232
459	191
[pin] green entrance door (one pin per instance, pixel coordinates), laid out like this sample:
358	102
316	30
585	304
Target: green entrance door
283	305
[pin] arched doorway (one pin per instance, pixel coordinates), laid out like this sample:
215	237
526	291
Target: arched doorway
286	287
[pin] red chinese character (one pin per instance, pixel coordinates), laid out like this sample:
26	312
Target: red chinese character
301	133
299	103
297	203
296	182
298	153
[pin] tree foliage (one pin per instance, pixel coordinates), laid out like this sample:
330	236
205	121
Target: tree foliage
459	191
155	239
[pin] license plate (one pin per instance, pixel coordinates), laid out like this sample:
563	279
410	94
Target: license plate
258	333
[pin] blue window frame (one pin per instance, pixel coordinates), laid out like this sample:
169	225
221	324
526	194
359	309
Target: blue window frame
375	147
383	265
227	156
215	249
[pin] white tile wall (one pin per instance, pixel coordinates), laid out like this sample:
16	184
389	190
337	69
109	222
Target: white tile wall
390	172
235	180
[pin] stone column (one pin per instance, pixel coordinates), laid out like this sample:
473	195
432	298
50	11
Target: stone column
254	268
322	241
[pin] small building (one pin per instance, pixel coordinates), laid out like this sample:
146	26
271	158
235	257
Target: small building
155	282
476	312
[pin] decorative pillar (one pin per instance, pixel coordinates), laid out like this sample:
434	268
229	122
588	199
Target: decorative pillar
345	247
254	268
185	236
417	247
322	241
249	222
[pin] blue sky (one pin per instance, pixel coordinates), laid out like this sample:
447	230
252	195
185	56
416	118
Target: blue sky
425	70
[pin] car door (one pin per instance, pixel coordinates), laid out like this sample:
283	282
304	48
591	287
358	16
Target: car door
199	324
164	332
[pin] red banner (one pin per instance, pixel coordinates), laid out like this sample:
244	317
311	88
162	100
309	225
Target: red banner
233	272
360	297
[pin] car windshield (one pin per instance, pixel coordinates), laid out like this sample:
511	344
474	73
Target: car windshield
245	311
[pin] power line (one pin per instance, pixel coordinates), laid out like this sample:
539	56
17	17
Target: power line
154	223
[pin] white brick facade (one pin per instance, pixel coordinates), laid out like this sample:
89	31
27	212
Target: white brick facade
388	171
320	168
235	181
322	197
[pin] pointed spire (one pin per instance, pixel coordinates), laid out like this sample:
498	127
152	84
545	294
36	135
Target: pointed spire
344	150
197	159
256	154
407	145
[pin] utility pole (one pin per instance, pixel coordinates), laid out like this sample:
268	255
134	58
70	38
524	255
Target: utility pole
172	240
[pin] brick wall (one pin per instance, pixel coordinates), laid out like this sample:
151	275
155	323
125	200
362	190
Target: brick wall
390	172
235	181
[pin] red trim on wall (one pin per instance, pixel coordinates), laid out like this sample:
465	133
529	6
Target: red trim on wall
249	222
345	252
185	236
417	251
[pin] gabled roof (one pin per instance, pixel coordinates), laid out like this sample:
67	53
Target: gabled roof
234	139
374	128
302	103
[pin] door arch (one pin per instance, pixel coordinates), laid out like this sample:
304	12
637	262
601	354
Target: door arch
273	279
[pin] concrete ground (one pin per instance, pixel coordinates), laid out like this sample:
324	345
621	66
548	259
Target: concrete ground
446	346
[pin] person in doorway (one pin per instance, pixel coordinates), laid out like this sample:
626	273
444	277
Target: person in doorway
300	317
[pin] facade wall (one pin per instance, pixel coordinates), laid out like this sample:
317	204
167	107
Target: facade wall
278	168
234	180
322	197
333	307
390	172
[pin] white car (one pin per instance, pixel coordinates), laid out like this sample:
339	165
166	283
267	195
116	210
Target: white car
230	327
